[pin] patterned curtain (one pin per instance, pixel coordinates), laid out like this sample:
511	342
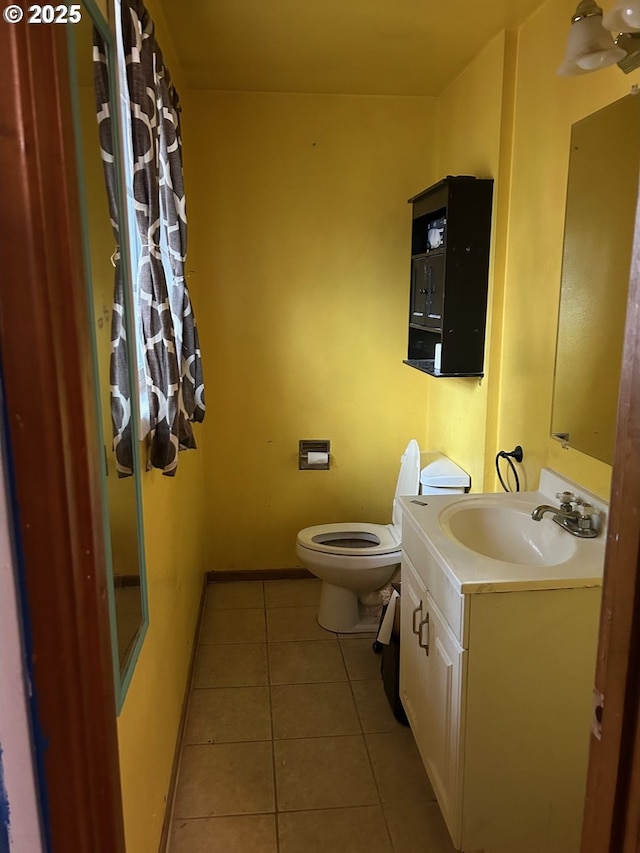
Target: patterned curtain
169	333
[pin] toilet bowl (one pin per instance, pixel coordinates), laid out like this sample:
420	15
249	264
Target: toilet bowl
354	558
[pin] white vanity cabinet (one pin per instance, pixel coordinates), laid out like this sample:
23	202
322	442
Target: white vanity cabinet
497	684
430	686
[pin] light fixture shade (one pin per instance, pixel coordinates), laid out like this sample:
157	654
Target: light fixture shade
624	17
630	43
589	45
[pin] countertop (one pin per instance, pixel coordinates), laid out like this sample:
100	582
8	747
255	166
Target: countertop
472	572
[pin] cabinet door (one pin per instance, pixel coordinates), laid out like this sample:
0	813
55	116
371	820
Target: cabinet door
435	289
412	656
443	715
419	291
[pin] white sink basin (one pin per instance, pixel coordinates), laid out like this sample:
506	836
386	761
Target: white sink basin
489	542
507	533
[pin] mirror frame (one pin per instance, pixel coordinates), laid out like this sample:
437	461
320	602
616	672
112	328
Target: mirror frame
122	675
632	99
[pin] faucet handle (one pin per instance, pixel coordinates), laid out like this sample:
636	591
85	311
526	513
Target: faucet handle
587	513
566	499
587	510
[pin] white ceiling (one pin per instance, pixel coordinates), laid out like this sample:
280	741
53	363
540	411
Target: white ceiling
359	47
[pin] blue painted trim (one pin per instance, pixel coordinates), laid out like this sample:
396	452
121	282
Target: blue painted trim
5	813
38	739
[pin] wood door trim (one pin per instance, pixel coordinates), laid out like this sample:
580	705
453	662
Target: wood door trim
614	760
46	362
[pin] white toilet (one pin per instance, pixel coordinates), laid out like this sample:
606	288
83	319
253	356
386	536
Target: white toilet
441	476
356	558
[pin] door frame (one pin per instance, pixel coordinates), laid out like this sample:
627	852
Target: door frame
612	805
45	353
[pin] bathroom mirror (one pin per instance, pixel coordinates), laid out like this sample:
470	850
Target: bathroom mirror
121	496
601	203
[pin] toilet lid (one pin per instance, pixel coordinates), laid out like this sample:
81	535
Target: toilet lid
350	539
408	480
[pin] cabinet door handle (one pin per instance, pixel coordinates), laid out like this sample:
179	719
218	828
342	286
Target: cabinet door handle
423	645
413	618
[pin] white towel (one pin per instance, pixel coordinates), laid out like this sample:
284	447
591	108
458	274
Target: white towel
384	634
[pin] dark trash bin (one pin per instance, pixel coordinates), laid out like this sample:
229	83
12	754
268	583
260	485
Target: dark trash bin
390	661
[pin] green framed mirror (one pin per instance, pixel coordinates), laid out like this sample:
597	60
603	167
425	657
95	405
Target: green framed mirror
122	496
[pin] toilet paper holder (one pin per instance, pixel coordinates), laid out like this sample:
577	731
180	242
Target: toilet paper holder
313	454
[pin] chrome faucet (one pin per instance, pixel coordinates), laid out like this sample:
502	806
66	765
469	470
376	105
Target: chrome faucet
574	515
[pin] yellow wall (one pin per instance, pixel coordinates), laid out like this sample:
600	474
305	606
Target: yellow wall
299	247
300	241
470	122
148	722
509	116
546	107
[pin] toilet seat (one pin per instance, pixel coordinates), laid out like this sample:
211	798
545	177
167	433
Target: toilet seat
356	558
360	539
367	540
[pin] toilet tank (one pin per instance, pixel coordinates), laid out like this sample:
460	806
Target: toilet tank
441	476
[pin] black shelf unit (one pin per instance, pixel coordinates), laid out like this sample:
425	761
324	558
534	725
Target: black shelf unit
451	228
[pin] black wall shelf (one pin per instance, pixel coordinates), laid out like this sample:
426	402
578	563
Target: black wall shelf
451	226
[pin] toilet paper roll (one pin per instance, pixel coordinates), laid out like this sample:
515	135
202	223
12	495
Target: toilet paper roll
314	457
384	634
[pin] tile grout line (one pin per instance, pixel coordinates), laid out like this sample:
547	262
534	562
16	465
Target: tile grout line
366	746
183	743
189	690
273	743
364	739
269	644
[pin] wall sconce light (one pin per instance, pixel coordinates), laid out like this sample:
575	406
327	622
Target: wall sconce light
592	46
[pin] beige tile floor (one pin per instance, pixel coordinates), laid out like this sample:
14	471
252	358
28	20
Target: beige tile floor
290	745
